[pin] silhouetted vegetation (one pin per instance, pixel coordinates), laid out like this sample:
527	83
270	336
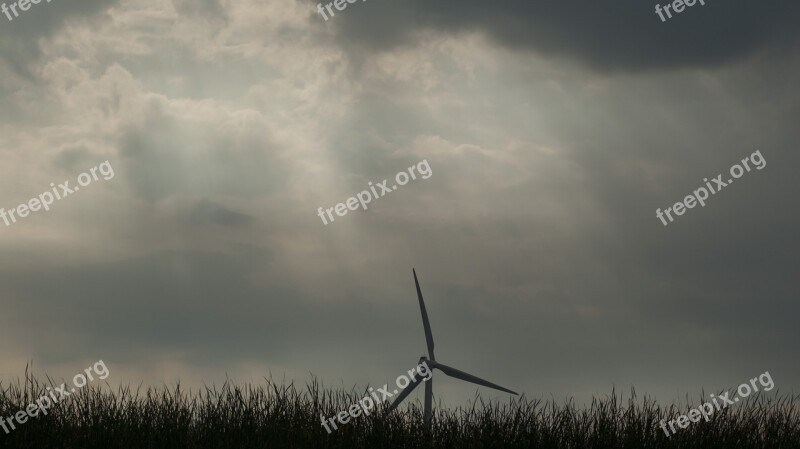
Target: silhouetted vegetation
286	416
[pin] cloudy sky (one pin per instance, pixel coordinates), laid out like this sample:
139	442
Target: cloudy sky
554	130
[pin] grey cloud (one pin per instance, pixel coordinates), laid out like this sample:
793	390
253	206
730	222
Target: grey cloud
19	38
207	8
172	152
75	159
206	211
172	301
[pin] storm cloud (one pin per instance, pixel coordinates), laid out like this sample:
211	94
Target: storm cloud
554	130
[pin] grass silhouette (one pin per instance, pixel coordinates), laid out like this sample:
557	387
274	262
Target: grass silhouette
286	416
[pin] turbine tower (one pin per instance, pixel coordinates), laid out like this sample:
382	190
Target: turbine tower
433	364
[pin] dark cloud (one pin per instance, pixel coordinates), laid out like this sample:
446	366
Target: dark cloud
618	35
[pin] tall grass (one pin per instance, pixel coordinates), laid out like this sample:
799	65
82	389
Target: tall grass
286	416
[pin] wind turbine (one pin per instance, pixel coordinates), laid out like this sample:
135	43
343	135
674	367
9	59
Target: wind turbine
433	364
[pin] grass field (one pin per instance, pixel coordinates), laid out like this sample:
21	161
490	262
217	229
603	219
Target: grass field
287	416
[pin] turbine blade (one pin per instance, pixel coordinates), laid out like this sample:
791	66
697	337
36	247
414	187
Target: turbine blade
452	372
406	391
425	323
